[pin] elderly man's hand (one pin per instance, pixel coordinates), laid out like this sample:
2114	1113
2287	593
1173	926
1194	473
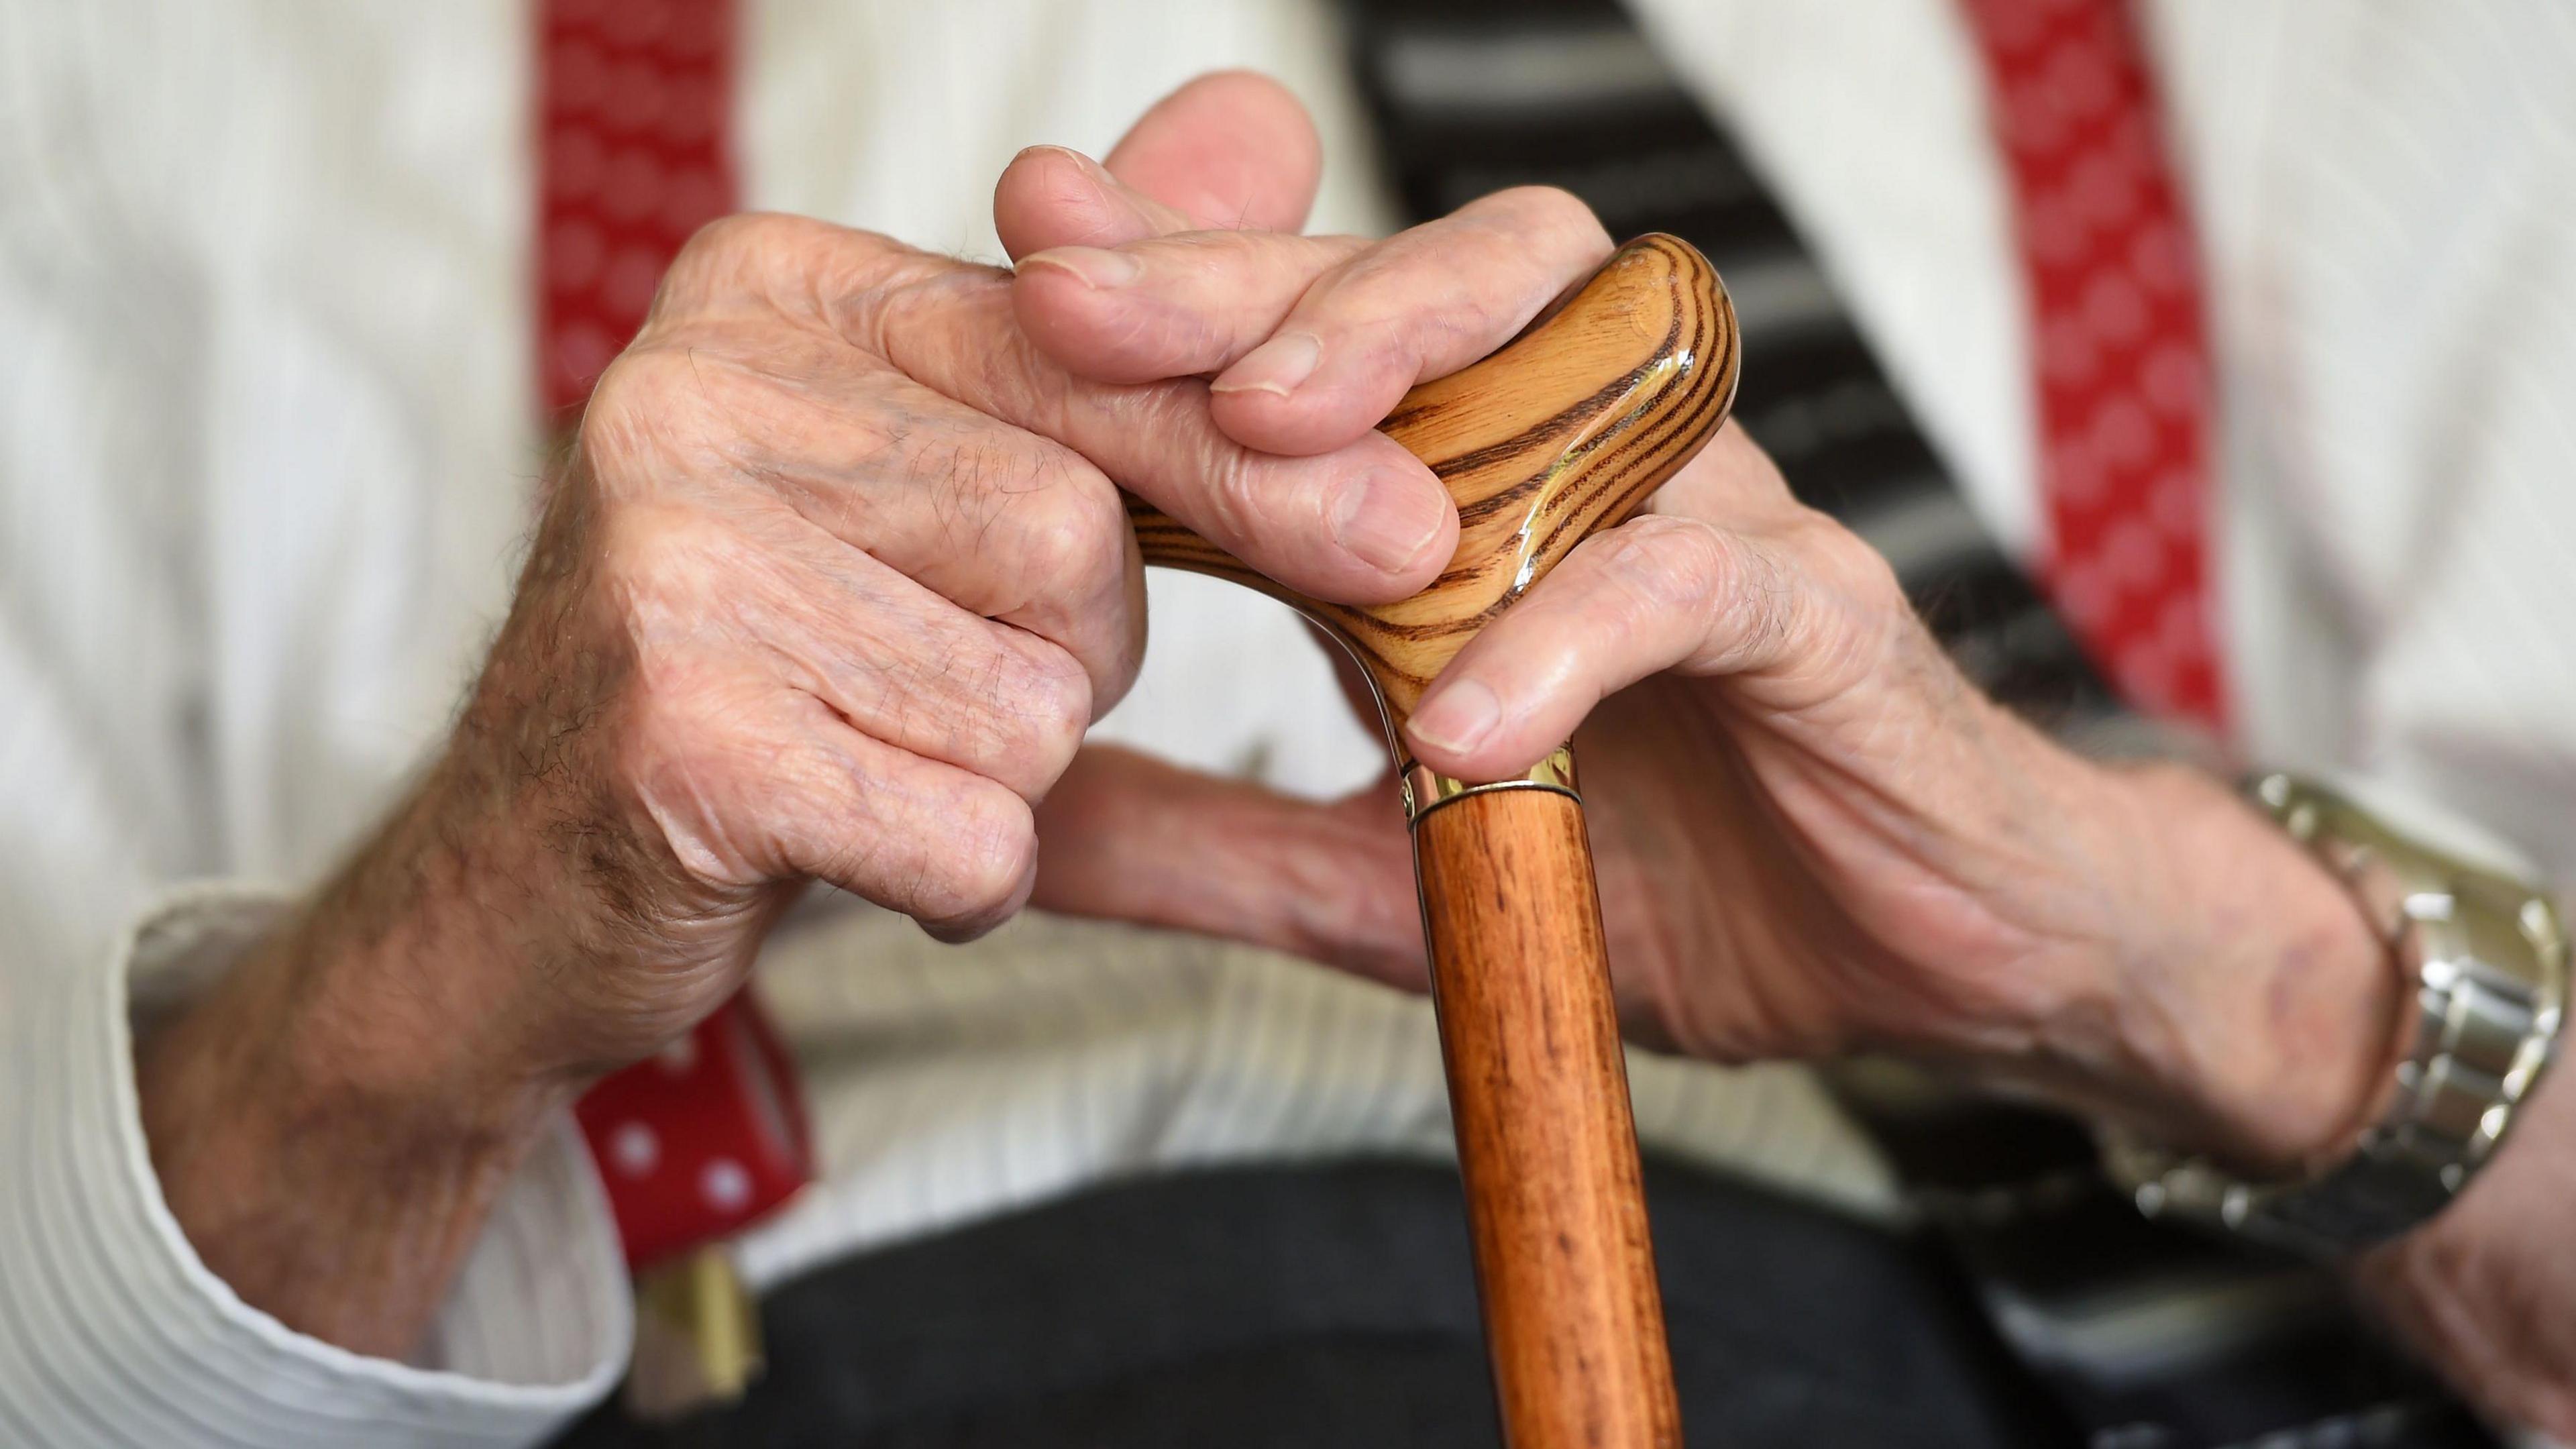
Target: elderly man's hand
1815	835
833	580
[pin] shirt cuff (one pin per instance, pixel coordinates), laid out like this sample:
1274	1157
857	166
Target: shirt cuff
112	1332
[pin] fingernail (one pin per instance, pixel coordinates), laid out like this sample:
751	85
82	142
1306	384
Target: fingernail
1457	718
1088	165
1387	518
1094	266
1276	366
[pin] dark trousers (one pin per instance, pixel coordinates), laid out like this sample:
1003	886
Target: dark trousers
1335	1305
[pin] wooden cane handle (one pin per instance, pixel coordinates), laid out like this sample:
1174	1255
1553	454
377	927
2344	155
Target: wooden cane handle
1560	434
1557	436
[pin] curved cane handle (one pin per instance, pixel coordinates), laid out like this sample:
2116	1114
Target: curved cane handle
1560	434
1557	436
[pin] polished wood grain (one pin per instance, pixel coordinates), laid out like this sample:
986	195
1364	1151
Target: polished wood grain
1559	435
1538	1091
1553	438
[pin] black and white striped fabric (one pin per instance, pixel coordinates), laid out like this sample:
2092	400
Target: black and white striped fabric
1471	97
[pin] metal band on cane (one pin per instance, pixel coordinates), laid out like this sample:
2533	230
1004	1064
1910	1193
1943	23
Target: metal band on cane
1425	791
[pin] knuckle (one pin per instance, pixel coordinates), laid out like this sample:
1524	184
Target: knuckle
1744	602
654	563
1068	542
1217	486
720	257
953	327
1555	212
949	854
734	235
1064	710
1767	607
972	873
736	246
649	395
1040	710
1672	565
1849	563
797	265
1234	501
638	384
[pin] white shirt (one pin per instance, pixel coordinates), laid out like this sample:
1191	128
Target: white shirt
265	456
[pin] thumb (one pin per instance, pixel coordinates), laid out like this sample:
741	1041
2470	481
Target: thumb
1124	836
1227	151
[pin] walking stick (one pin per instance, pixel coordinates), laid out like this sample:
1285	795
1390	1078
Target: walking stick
1557	436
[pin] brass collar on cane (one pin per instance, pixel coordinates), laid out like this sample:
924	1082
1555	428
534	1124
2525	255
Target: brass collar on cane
1425	790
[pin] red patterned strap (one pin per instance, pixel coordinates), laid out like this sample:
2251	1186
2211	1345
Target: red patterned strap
2123	361
702	1140
635	113
634	117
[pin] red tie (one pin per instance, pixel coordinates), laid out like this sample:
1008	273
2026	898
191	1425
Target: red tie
634	122
634	118
2123	375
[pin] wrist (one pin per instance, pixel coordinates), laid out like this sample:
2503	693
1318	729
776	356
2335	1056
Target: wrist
2481	1291
2244	1007
331	1177
331	1123
433	968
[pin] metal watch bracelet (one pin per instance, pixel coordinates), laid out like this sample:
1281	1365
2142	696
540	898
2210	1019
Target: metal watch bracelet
2484	955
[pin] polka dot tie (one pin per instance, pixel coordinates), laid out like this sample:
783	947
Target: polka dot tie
701	1140
634	115
634	119
2123	377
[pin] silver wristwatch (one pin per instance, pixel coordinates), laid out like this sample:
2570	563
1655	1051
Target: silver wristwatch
2487	956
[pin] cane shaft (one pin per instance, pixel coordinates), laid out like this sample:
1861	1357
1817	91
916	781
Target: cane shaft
1539	1091
1558	436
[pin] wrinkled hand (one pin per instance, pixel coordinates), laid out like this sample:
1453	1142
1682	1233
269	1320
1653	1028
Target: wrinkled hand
1814	833
835	577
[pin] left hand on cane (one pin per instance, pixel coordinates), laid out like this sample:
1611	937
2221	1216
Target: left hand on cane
1814	834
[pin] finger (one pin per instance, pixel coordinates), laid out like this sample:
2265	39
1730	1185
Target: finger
1169	306
892	659
1232	149
800	793
949	848
1678	587
1368	523
1050	196
1420	305
1314	339
1001	522
910	668
1655	593
1127	837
